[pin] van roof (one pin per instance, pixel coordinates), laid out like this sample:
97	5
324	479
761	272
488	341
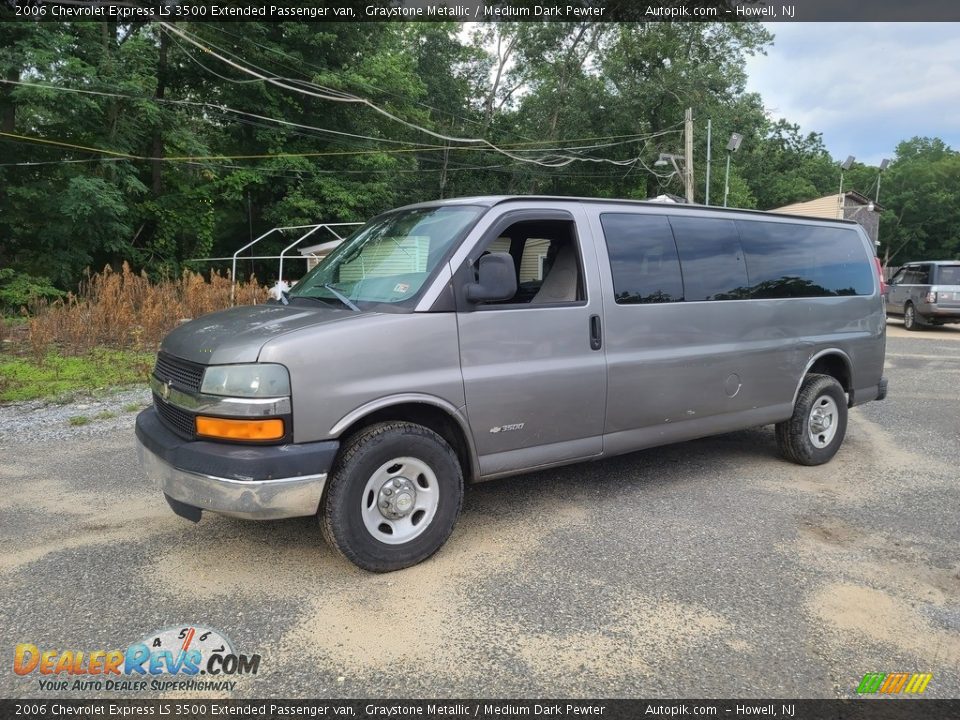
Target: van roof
491	200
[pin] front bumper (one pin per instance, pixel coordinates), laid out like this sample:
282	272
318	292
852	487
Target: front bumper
253	482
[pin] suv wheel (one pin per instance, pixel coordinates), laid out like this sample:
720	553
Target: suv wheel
393	497
911	320
816	430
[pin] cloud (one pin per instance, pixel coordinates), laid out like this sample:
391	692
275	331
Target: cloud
865	86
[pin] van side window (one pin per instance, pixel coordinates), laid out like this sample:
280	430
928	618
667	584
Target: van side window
711	258
547	262
643	258
792	260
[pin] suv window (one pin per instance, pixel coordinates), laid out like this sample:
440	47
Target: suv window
643	258
794	260
948	275
918	275
711	259
547	261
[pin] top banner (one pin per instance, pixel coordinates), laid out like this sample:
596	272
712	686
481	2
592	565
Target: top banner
768	11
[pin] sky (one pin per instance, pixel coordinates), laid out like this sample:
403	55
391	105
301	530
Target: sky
864	86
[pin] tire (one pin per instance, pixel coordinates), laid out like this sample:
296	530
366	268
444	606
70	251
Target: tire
911	321
393	496
803	439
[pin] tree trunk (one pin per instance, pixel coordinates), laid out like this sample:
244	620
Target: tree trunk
156	151
8	106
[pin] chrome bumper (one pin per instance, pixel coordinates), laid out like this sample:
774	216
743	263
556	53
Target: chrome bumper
253	500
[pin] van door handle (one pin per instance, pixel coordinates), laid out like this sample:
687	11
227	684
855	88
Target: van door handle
595	340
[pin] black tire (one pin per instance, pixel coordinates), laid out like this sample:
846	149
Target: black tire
796	437
341	514
911	320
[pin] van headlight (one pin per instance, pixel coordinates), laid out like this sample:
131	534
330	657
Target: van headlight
256	380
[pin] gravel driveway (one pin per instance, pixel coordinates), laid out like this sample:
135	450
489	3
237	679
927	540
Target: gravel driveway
710	568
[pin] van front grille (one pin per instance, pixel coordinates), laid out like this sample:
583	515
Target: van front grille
180	421
182	374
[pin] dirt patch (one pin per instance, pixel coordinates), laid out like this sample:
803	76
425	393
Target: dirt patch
427	617
859	612
124	522
829	530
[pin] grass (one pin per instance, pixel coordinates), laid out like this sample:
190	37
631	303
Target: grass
22	378
107	333
78	420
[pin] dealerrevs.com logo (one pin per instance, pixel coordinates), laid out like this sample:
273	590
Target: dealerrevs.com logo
188	657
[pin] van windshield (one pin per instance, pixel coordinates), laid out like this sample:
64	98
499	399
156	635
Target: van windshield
389	259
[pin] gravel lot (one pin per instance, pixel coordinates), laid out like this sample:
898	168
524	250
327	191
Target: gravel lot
711	568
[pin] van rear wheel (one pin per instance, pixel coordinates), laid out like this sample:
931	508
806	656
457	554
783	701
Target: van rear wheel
393	497
816	430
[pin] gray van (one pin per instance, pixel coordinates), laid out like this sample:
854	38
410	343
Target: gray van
926	293
475	338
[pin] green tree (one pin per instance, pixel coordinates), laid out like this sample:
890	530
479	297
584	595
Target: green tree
921	218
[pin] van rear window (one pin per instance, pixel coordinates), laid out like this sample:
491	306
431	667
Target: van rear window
793	260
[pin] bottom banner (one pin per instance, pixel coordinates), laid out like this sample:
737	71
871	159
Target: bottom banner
879	709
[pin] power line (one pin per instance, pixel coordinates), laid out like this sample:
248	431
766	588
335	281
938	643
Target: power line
118	155
214	106
517	147
555	161
353	80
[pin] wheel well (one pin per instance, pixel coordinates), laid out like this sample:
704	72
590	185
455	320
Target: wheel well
429	416
834	366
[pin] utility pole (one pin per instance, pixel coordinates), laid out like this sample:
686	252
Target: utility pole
688	153
706	200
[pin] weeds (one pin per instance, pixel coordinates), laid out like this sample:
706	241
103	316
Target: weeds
125	310
78	420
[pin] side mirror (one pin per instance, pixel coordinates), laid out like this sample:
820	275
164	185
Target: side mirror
498	279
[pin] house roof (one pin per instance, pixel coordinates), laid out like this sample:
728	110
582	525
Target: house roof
826	206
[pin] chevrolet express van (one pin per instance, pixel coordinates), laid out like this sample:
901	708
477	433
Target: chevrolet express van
468	339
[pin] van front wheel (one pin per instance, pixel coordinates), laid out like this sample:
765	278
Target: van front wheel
393	497
816	430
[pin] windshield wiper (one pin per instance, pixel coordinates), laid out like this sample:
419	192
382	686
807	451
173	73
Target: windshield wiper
341	297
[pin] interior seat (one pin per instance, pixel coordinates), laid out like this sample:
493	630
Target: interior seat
560	284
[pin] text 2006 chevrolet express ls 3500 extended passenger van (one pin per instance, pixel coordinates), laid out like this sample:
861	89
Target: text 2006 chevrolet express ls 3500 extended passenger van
474	338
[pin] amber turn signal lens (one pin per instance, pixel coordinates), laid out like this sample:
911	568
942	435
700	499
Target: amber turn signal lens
239	429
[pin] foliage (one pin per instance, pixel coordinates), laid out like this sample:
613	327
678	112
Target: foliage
18	290
921	218
199	158
126	310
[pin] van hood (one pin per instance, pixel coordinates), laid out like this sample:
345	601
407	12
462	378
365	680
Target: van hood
236	335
